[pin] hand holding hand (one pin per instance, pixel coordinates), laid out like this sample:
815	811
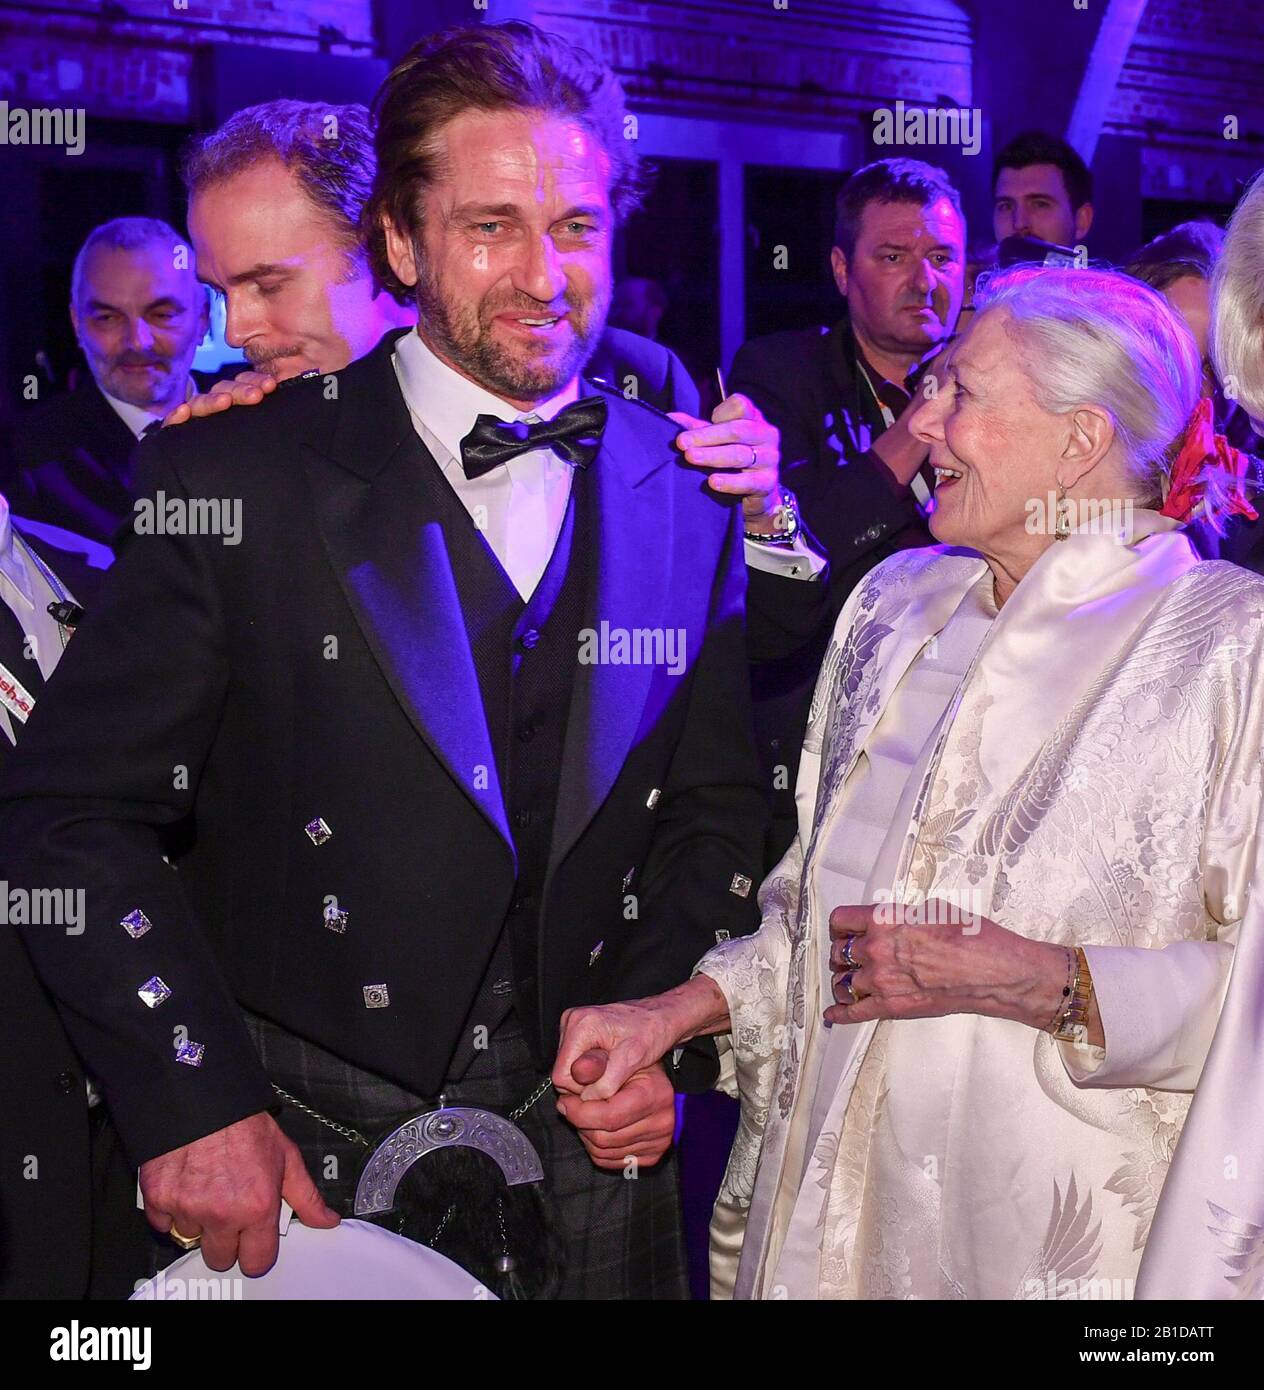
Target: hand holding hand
638	1122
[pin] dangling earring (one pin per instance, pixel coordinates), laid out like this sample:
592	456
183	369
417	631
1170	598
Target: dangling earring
1062	523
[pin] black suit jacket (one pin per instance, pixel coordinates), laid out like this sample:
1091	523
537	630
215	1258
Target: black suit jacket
72	462
807	383
221	697
45	1212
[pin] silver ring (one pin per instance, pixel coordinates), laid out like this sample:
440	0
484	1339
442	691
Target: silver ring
846	983
848	958
754	456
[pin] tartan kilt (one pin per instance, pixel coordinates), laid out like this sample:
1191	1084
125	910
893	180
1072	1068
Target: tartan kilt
617	1237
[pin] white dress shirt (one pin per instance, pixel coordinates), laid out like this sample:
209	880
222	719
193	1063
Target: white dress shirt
26	591
135	417
519	507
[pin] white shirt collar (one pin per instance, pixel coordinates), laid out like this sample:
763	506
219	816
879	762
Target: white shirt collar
135	417
12	565
448	403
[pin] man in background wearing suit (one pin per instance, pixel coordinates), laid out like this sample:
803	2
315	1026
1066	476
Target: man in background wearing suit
841	397
68	1221
139	314
422	781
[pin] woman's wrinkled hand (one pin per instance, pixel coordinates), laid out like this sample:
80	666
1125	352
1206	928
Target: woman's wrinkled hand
926	960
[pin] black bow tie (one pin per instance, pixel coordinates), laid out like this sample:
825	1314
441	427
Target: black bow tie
573	433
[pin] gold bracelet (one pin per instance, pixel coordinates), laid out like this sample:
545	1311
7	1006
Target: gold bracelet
1072	1024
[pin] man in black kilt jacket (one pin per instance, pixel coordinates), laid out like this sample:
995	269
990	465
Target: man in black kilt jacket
414	713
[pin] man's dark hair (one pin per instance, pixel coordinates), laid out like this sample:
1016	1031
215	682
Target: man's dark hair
1039	147
887	181
328	149
490	67
1190	248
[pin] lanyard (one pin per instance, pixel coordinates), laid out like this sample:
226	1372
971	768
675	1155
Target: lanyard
917	483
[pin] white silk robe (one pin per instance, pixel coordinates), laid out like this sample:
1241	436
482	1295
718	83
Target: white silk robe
1097	782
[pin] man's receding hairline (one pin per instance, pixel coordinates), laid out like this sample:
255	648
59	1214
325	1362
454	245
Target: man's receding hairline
346	234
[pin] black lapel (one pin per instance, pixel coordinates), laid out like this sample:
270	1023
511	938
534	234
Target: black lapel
388	552
109	439
628	589
859	407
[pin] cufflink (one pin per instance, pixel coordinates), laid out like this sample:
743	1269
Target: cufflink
190	1053
652	800
595	954
376	997
317	831
135	923
154	991
741	885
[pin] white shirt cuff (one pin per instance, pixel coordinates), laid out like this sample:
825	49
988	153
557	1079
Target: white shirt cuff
798	561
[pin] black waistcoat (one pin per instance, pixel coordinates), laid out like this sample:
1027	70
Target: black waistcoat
525	656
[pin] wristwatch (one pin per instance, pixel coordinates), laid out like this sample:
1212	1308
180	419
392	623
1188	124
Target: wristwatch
788	525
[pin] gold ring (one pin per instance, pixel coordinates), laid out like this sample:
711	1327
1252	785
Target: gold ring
183	1241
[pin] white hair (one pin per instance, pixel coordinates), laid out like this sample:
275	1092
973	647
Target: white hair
1237	305
123	234
1099	337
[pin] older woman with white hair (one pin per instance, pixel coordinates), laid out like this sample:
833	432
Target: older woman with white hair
990	967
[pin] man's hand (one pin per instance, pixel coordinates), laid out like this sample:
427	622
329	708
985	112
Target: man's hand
638	1122
227	1188
898	447
737	428
246	388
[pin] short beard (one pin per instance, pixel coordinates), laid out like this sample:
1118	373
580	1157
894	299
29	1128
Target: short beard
460	333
